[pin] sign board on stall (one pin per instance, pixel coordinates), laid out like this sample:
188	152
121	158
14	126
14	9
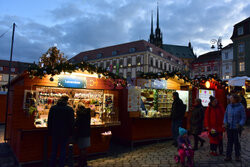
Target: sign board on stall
134	99
153	84
204	95
72	81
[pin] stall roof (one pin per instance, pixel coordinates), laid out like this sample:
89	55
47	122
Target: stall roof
238	81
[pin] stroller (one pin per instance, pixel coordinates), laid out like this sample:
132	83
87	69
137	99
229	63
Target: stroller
189	156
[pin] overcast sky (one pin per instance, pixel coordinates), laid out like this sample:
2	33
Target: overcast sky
79	25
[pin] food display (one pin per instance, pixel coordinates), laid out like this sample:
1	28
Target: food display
247	97
101	108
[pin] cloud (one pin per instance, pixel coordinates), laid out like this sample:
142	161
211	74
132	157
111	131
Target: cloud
77	26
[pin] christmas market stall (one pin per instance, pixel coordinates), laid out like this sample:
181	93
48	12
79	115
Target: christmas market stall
145	113
204	87
36	90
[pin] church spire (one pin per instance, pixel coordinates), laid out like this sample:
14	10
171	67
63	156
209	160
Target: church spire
152	36
152	27
157	16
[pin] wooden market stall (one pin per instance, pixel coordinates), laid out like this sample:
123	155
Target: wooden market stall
31	98
139	126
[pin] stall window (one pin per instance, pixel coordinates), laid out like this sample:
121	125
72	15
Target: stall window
129	61
121	63
242	66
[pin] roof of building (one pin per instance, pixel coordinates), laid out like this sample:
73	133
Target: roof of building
21	66
179	51
246	28
228	46
122	49
210	56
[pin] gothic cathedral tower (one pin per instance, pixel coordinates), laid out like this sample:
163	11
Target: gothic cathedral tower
156	38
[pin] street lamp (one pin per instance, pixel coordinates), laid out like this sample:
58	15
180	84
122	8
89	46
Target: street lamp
218	42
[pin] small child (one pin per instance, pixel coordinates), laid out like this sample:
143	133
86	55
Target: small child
184	147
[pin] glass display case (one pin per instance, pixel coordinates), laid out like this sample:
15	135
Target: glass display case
101	105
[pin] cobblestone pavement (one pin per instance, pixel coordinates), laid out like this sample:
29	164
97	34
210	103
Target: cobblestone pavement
161	155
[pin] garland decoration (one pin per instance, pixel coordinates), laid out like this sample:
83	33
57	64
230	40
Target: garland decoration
53	63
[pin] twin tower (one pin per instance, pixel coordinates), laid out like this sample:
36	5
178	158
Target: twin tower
155	38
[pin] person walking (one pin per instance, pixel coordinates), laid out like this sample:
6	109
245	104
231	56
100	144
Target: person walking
213	122
177	116
82	125
196	123
234	119
60	127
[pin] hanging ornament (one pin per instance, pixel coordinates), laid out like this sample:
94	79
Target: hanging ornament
77	68
55	71
99	75
51	79
45	72
30	76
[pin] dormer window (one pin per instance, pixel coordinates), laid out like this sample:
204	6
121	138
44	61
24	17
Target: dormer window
240	31
99	55
131	50
114	53
85	58
161	54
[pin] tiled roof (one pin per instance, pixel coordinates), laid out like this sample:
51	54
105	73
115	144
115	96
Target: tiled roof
122	49
246	28
179	51
210	56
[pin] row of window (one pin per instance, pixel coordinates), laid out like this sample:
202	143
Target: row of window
12	69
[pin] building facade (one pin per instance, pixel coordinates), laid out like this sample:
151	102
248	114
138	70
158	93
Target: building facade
16	68
131	59
206	64
227	62
241	47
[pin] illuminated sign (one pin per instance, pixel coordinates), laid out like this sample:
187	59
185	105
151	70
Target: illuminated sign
204	96
72	81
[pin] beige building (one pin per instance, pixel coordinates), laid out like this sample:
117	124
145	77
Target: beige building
16	68
131	59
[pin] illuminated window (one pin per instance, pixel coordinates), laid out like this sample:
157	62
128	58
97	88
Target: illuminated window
121	63
1	77
129	61
242	66
138	60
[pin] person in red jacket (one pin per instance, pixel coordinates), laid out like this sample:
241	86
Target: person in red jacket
213	122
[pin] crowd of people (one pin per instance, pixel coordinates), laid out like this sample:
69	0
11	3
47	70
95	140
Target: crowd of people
215	120
62	125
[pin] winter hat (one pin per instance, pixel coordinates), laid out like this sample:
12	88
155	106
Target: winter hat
182	131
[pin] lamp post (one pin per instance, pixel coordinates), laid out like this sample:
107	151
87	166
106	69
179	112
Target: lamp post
218	42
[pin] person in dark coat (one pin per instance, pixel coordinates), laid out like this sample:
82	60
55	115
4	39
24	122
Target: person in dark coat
196	123
60	127
82	125
177	116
